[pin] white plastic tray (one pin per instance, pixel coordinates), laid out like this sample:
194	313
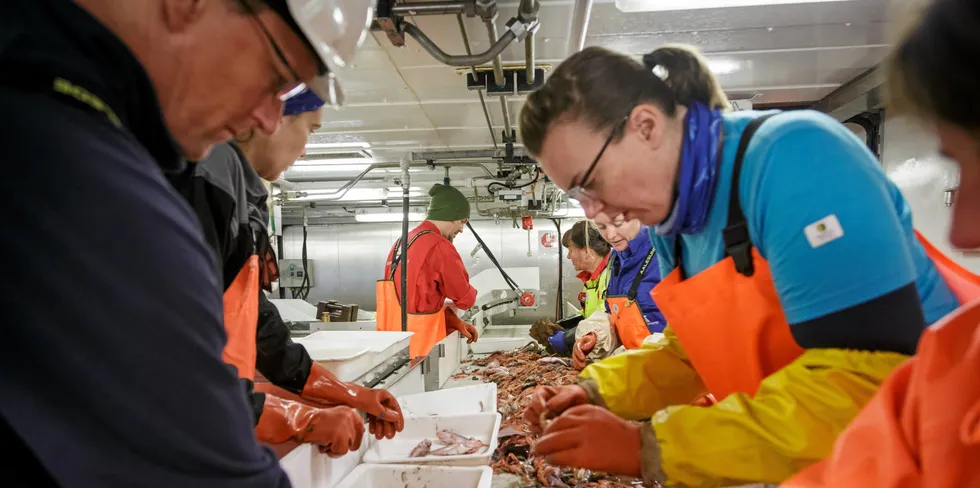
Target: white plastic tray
322	351
409	476
381	346
308	468
482	426
451	401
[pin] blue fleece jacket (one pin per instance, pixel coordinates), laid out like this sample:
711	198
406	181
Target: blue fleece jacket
625	265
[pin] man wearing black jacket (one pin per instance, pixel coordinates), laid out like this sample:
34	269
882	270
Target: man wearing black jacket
228	195
112	328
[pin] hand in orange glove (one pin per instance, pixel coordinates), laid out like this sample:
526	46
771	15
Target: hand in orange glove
550	401
336	430
384	415
455	323
469	332
591	437
582	348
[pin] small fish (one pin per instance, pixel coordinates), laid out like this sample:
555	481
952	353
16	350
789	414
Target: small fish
422	449
450	450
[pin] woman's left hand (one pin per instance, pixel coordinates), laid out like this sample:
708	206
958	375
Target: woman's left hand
591	437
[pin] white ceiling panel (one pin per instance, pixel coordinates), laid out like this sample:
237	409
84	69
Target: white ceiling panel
467	137
463	113
436	83
402	100
754	39
375	117
606	19
410	139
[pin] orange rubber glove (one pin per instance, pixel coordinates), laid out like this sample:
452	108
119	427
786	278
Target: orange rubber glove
384	415
591	437
550	401
336	430
455	323
582	348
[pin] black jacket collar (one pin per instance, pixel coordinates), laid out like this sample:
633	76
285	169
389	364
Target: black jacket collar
41	40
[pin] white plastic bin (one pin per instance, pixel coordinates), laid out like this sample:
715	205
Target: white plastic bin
308	468
411	476
451	401
481	426
381	346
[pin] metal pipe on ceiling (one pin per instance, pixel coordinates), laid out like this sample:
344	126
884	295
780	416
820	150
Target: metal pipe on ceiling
527	11
483	101
465	154
498	78
498	65
460	60
581	12
429	8
345	188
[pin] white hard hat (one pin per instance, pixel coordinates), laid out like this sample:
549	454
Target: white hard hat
334	29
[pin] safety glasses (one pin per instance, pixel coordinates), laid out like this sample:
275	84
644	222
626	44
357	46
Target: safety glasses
284	87
580	191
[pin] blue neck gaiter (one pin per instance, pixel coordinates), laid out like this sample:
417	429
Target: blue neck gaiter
697	174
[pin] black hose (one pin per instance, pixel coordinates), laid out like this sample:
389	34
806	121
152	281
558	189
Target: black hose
511	283
560	310
537	174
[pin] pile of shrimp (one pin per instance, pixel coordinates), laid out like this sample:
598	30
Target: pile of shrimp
517	373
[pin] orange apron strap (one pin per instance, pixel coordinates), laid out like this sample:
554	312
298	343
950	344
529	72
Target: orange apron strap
964	284
241	307
628	321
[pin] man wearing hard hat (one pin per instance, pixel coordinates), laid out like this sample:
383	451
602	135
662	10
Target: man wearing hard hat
113	330
435	275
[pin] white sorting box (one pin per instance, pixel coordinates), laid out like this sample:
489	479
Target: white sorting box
451	401
340	351
482	426
410	476
308	468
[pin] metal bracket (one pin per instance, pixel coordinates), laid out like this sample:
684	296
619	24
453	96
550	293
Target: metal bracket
390	22
515	81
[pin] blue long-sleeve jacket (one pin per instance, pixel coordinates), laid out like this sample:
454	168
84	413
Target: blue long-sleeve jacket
625	266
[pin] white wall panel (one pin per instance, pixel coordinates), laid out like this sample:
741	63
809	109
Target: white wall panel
911	160
350	258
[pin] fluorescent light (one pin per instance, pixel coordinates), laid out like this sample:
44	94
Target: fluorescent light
630	6
328	168
332	162
724	66
388	217
339	145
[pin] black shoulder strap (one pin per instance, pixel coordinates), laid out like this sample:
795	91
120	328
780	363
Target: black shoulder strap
397	256
738	245
631	295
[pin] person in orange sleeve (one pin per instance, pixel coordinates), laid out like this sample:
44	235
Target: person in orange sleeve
922	428
436	275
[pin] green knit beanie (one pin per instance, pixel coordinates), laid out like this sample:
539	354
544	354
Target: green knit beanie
447	204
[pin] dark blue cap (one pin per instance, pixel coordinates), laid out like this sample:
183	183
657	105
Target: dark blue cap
304	101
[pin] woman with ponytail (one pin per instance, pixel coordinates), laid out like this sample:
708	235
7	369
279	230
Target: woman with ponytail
793	280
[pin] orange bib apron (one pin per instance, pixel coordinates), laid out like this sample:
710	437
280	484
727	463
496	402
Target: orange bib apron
241	306
728	317
624	312
428	328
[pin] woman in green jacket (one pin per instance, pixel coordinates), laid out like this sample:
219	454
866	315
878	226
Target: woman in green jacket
589	254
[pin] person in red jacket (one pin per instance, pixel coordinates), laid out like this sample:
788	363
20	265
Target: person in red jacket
922	428
436	274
